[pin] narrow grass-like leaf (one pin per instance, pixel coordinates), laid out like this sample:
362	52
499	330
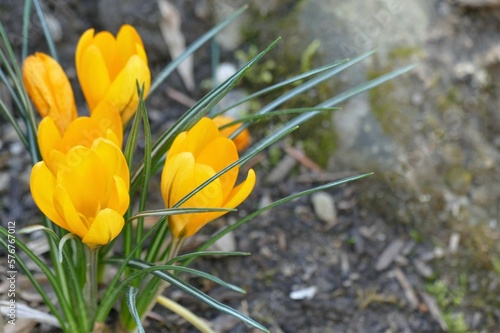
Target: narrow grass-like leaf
190	290
147	164
146	268
193	115
176	211
346	95
131	293
306	86
53	280
46	30
247	218
283	84
256	117
26	25
63	241
6	113
12	93
193	255
192	48
41	291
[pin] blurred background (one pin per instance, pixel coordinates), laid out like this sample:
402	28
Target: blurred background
413	248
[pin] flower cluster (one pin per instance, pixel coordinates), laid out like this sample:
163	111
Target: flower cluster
82	183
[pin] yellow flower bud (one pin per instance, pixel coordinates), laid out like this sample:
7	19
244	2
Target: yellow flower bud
108	69
49	89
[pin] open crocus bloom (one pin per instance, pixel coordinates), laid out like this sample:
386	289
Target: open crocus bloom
242	140
194	157
88	193
108	69
49	89
104	122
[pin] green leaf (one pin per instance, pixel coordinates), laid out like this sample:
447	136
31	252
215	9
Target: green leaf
284	84
146	268
46	30
131	293
175	211
190	290
193	115
247	218
193	255
63	241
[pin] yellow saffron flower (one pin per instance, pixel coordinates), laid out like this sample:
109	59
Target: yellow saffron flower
88	193
242	140
108	68
49	89
104	122
194	157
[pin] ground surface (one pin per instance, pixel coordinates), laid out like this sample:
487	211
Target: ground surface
361	274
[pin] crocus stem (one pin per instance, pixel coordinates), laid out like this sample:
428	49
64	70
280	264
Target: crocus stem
90	288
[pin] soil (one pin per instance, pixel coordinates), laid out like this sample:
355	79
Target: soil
365	273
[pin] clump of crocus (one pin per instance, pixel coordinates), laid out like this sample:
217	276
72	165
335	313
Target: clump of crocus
242	140
49	89
108	69
194	157
87	194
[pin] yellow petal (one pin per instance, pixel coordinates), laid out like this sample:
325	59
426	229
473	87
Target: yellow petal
93	76
42	185
241	192
218	154
209	197
119	199
180	163
236	197
112	160
81	132
122	93
84	180
106	43
75	222
107	118
107	225
130	43
196	138
83	43
48	136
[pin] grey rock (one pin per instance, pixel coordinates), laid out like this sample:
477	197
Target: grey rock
324	207
389	254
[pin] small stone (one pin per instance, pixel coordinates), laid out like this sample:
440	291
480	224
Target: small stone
454	241
324	207
423	269
226	243
305	293
389	254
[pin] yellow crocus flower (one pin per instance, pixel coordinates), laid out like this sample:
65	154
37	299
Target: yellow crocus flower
88	193
242	140
49	89
194	157
104	122
108	69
